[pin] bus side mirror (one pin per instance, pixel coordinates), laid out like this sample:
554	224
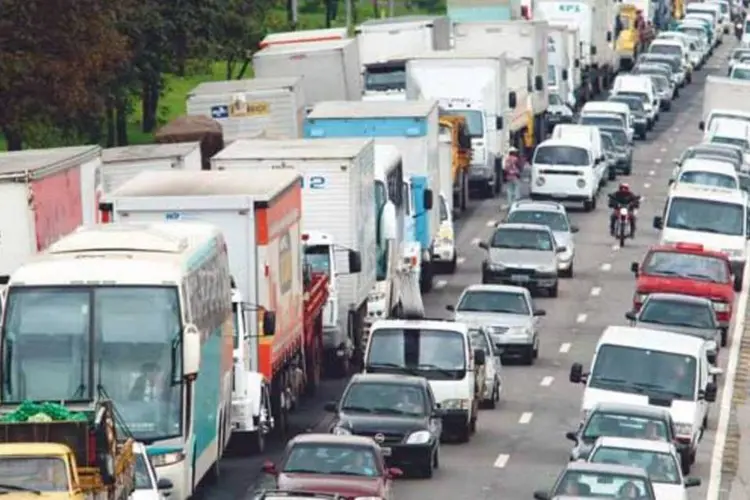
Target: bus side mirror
565	75
355	262
539	83
192	351
702	125
269	323
512	100
428	199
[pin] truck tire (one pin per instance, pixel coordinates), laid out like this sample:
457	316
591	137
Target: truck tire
464	192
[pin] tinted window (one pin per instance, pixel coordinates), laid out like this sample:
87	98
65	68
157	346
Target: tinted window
522	239
601	484
687	265
706	216
556	221
639	95
380	78
607	142
738	54
434	354
562	156
499	302
740	73
678	313
628	426
474	120
618	135
602	121
708	179
329	459
317	257
555	100
661	467
384	399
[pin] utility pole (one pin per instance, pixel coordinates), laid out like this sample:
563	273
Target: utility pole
349	16
391	8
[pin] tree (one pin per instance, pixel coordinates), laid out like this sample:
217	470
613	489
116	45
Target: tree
57	58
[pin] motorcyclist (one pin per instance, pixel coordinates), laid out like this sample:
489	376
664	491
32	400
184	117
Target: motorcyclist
623	197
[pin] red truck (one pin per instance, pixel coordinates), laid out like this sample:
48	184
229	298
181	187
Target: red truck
689	269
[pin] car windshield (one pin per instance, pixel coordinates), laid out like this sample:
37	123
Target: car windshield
555	100
734	141
607	142
496	302
661	467
678	313
566	156
602	485
644	371
706	216
708	179
43	474
740	73
619	136
384	399
687	265
738	54
603	423
660	82
639	95
522	239
143	480
602	121
474	120
433	354
744	182
634	102
556	221
664	48
330	459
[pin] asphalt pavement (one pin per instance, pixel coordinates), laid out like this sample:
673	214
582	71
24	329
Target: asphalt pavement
520	446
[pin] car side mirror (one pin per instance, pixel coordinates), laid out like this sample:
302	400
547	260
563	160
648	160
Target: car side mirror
512	100
576	373
692	482
164	484
540	312
630	315
593	50
355	262
577	63
574	229
609	36
332	407
428	199
702	125
451	308
483	245
710	393
572	436
737	285
269	323
634	268
499	123
658	222
541	495
479	357
561	249
393	473
539	83
269	468
565	75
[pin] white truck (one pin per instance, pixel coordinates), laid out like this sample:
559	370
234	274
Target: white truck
246	108
728	97
304	36
559	73
338	224
384	47
519	39
330	70
44	195
593	21
517	76
482	100
484	10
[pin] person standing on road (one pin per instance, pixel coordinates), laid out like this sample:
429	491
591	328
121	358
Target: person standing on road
512	170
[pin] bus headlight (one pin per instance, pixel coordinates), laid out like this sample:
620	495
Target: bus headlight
164	459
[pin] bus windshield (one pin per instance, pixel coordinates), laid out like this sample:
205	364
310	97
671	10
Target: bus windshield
64	343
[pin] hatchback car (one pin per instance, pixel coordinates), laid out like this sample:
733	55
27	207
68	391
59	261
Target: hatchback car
522	254
640	118
725	152
587	480
492	387
507	313
554	216
623	150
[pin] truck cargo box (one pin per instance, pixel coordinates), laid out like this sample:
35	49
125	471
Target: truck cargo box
380	40
304	36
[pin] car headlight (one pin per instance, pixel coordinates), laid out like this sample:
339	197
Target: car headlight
419	437
733	252
719	306
684	429
167	458
547	269
540	181
341	431
641	297
376	296
455	404
496	266
520	332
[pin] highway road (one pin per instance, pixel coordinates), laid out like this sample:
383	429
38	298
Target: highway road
520	446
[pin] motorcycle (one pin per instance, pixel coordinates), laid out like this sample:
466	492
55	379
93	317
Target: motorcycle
623	220
738	31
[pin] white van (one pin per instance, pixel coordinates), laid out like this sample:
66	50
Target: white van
711	9
644	86
730	131
567	170
441	352
641	366
615	108
713	217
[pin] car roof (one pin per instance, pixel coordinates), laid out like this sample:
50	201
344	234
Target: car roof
423	324
679	297
605	106
332	439
388	378
524	226
651	339
707	165
495	288
563	142
695	191
688	249
537	206
600	113
606	468
666	41
635	444
652	412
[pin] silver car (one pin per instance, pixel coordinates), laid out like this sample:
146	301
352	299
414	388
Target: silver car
554	216
678	313
524	255
507	313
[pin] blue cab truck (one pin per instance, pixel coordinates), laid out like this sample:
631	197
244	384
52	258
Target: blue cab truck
412	127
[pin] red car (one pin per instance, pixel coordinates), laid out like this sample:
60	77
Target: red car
350	466
689	269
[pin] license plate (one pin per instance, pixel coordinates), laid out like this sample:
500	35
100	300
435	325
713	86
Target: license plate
386	451
519	278
561	195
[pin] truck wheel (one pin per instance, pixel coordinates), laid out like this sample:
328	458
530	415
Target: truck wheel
464	192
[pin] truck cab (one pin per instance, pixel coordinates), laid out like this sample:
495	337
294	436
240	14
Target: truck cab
454	135
385	80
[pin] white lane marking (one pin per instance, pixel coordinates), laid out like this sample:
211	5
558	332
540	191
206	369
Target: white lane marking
670	139
615	247
547	381
717	456
491	223
501	461
651	173
440	284
596	291
646	185
475	241
460	260
663	150
564	348
525	417
657	161
676	129
606	267
581	318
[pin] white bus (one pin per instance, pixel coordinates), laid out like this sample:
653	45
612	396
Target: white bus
130	312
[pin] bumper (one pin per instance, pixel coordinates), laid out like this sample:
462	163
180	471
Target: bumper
408	455
455	421
641	126
561	197
535	280
444	253
513	349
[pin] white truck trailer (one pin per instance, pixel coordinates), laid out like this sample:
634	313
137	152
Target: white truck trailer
384	46
483	100
44	195
726	97
519	39
338	223
484	10
330	70
304	36
247	108
559	72
518	74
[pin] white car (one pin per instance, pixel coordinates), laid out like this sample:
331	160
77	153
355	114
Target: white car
147	485
709	173
658	458
493	368
444	250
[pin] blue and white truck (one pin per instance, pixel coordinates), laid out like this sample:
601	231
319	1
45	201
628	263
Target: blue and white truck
412	127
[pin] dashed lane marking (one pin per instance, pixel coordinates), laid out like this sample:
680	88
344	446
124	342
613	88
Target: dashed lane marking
657	161
525	418
615	247
652	173
491	223
565	347
581	318
547	381
501	461
596	291
663	150
606	267
475	241
460	260
646	185
440	284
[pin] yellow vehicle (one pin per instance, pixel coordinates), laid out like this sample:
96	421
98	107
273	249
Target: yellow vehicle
628	39
74	459
455	128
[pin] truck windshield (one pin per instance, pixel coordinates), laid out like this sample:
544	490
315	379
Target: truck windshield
34	473
381	197
474	120
644	371
383	78
433	354
706	216
77	343
551	75
318	258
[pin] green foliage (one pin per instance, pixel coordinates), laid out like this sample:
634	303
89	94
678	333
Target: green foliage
28	411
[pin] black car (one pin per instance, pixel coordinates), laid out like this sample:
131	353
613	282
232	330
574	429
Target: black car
635	103
399	412
624	149
626	421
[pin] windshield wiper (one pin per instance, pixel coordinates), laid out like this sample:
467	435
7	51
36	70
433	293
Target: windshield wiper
429	366
611	380
387	365
15	487
703	277
665	272
392	411
360	409
657	388
301	471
